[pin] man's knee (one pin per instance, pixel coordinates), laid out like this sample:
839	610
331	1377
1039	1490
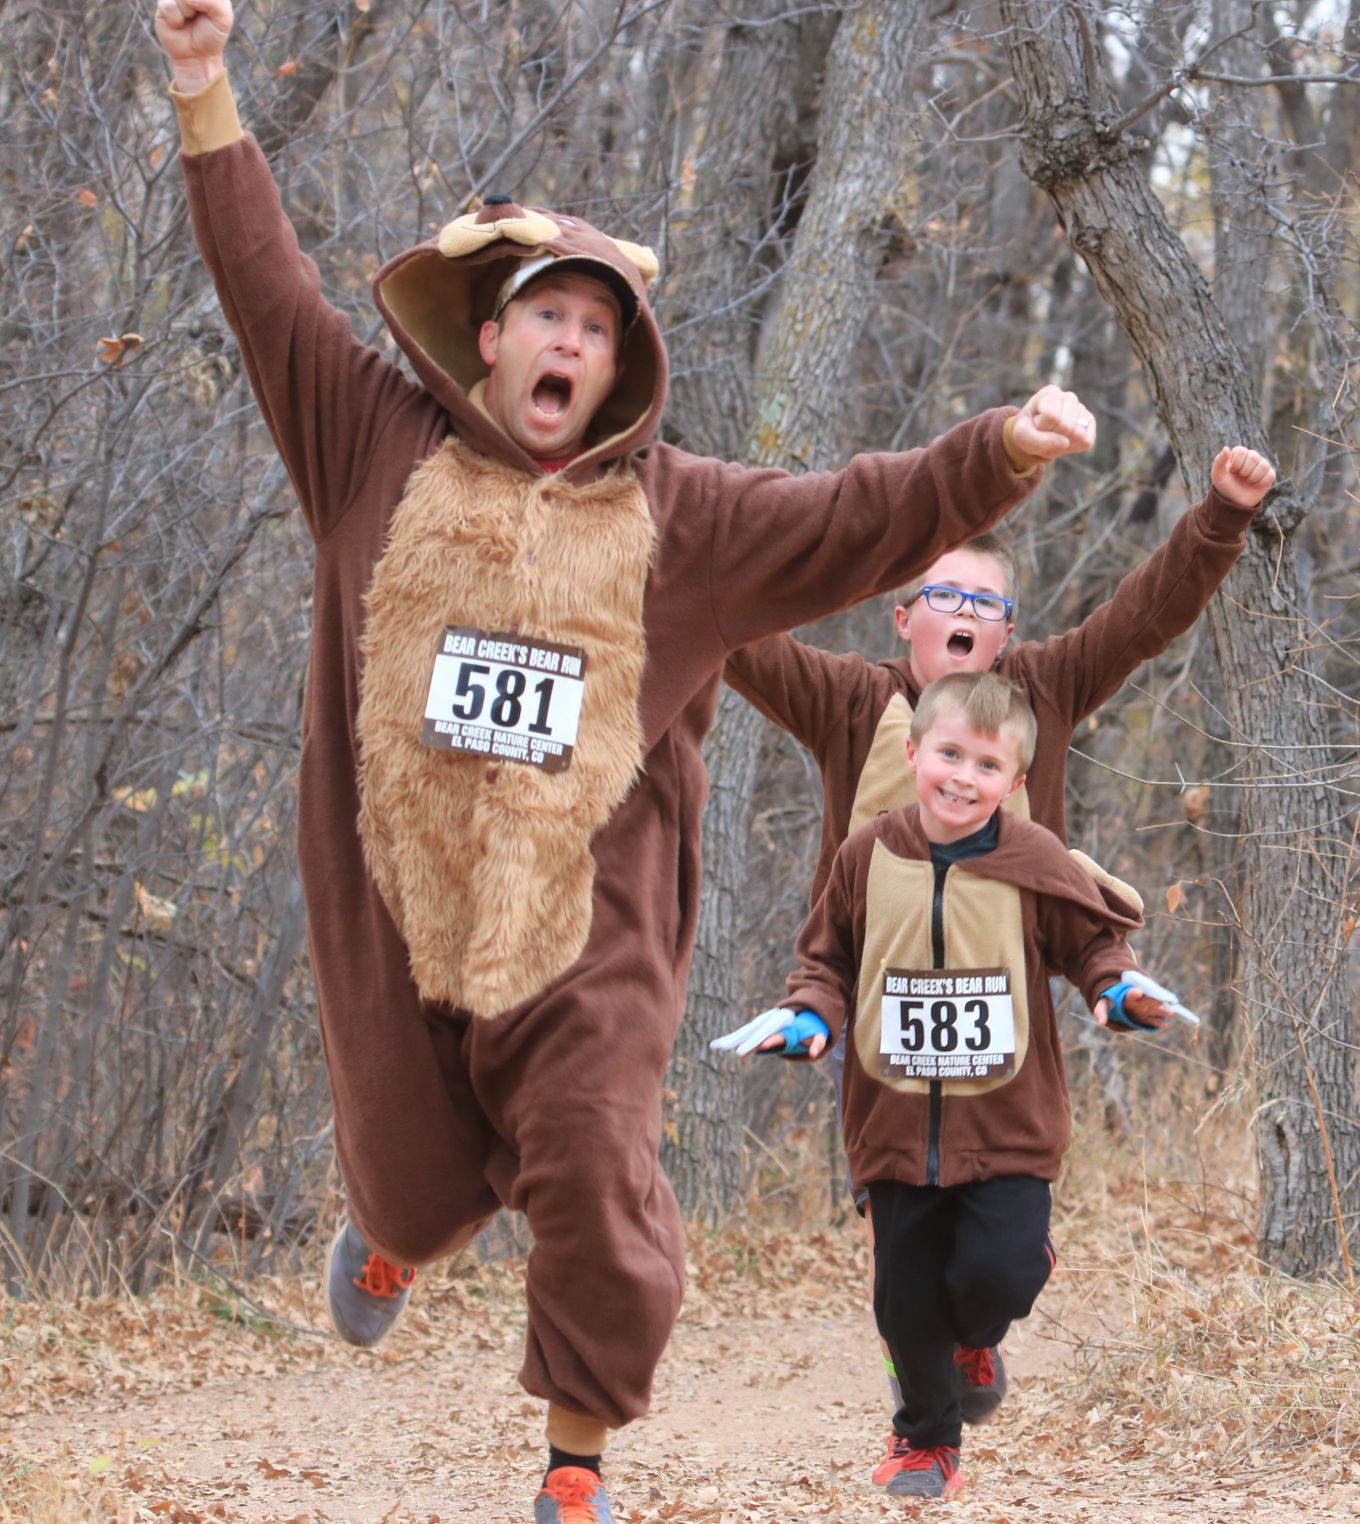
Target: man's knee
416	1230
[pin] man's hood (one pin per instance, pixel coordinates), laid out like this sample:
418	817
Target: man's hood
436	296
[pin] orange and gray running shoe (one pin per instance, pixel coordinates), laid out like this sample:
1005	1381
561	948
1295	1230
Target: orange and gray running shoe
572	1495
983	1382
365	1294
911	1473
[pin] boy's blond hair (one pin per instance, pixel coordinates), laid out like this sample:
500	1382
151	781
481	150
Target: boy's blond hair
989	703
993	546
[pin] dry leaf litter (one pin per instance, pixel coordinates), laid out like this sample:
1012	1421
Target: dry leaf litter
1163	1376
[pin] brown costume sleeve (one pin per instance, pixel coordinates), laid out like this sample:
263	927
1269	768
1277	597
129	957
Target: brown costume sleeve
803	690
786	549
326	397
1077	672
824	980
1088	951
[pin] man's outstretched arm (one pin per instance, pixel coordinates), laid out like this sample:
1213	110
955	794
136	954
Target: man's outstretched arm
326	398
785	549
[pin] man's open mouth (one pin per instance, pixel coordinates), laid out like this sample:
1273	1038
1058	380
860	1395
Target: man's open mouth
552	394
960	644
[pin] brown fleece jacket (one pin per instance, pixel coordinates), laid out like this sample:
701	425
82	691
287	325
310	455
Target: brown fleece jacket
559	906
1026	908
854	715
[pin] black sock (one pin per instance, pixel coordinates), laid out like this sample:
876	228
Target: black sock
558	1458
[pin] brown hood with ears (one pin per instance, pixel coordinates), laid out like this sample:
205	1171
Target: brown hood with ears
436	296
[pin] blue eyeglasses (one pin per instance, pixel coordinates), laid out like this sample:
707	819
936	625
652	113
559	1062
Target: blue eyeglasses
949	600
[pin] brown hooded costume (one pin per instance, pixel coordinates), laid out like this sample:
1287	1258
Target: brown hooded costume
955	1102
1026	908
558	902
853	715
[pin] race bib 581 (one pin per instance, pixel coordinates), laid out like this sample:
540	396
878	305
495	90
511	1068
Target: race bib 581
944	1023
505	696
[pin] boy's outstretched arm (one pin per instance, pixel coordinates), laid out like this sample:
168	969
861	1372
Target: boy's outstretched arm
1087	949
803	689
822	987
1159	600
826	950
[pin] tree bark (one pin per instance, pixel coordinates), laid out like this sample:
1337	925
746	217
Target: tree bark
728	188
1293	848
796	422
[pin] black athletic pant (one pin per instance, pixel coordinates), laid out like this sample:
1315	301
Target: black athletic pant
953	1265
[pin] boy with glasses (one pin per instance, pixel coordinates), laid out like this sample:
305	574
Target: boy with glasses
854	715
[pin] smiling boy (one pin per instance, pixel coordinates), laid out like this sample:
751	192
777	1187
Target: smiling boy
930	947
854	715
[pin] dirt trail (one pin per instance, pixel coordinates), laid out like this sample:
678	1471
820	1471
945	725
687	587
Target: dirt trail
758	1417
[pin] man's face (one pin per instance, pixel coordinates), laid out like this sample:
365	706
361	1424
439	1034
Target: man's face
554	360
962	775
957	642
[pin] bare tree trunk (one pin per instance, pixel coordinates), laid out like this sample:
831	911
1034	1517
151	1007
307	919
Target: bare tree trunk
1308	1139
722	224
801	381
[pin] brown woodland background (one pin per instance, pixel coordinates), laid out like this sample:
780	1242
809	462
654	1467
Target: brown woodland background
873	220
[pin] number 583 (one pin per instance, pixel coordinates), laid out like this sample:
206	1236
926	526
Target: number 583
936	1025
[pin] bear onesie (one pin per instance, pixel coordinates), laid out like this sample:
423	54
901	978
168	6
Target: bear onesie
501	935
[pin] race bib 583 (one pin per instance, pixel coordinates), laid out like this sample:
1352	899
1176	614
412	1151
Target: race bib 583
943	1024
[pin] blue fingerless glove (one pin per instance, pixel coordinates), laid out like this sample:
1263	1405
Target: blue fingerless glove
798	1032
1118	1016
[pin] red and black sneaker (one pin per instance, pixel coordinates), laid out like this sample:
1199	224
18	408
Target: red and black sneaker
572	1495
929	1473
983	1382
890	1465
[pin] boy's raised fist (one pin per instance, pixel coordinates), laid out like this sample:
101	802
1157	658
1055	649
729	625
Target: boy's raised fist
194	36
1241	475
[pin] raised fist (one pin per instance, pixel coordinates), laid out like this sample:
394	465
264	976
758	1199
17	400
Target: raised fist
194	35
1241	475
1053	423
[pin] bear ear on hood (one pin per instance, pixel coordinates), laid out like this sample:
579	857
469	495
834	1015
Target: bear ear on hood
1108	883
497	219
644	259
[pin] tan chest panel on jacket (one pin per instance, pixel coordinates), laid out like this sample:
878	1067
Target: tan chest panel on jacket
485	866
983	928
886	782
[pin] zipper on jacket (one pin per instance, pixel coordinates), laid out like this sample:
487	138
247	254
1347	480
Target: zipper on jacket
936	1089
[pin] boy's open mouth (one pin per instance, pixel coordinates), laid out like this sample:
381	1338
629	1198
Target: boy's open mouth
960	644
552	394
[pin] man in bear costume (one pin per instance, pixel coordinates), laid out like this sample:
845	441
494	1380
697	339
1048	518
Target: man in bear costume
522	610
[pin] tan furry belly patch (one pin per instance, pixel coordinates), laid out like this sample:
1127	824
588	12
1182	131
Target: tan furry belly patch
485	866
